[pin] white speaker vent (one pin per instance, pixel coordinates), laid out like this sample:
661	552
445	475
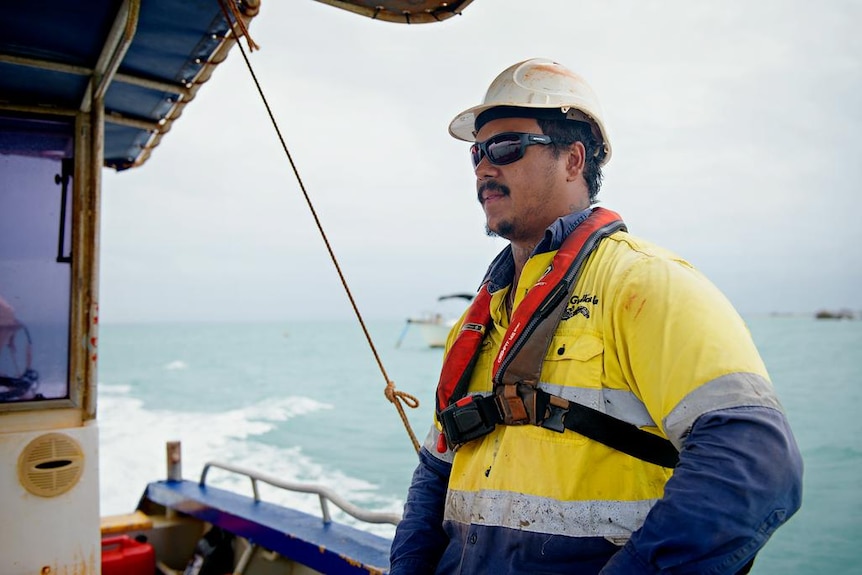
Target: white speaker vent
50	465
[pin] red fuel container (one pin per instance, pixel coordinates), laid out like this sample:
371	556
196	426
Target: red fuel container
122	555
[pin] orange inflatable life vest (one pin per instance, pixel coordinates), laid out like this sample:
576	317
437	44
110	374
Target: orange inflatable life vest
517	399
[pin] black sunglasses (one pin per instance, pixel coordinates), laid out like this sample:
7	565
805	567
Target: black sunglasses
506	148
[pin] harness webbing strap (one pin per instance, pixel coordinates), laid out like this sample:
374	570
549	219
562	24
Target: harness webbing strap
618	434
558	414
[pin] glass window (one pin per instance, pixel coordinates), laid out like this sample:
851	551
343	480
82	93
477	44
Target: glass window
35	255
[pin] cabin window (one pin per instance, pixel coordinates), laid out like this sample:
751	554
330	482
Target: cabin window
35	256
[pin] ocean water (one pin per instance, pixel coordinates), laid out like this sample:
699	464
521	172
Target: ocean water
303	401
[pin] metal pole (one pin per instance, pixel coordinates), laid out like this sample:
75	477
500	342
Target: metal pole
175	461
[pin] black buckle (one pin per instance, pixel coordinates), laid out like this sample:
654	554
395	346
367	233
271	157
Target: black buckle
468	419
551	415
554	420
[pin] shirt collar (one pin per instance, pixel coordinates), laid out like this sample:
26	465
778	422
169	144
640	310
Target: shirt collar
502	268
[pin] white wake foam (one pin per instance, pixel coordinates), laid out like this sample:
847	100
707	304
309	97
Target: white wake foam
133	439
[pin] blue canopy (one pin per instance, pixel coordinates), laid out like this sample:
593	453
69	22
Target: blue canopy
50	50
54	52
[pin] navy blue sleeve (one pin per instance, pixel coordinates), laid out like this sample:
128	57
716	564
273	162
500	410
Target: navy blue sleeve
739	478
419	538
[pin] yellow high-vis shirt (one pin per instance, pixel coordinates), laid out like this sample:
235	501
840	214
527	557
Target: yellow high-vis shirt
631	344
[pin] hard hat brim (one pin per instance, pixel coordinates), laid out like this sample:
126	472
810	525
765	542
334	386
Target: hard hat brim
463	126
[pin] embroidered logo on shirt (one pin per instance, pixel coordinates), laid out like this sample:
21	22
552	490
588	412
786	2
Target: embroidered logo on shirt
578	306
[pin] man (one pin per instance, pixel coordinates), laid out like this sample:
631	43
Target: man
559	417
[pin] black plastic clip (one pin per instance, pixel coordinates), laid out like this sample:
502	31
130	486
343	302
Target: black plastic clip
467	419
554	420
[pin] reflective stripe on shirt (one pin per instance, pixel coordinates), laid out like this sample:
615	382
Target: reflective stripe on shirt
727	391
614	519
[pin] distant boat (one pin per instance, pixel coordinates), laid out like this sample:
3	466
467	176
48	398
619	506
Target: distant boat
840	314
434	327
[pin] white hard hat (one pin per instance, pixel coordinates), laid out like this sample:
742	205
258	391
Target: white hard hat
538	84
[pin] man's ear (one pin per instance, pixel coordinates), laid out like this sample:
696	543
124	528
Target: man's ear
576	158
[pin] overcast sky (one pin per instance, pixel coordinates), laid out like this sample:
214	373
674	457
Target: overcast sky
736	143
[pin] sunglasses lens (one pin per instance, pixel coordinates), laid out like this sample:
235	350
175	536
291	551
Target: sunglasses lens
504	149
476	154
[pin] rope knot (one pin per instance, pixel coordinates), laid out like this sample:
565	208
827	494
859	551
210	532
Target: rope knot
393	395
396	397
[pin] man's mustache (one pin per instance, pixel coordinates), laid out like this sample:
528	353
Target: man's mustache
491	186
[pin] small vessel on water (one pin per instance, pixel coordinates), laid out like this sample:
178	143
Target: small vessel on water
434	326
836	314
85	86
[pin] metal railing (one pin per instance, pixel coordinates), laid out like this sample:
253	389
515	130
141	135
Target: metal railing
324	493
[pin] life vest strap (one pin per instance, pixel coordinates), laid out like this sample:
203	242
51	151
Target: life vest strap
610	431
459	363
514	408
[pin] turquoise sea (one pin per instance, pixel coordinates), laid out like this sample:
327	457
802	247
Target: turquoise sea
303	401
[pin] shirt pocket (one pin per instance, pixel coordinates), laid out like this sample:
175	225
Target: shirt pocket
574	360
